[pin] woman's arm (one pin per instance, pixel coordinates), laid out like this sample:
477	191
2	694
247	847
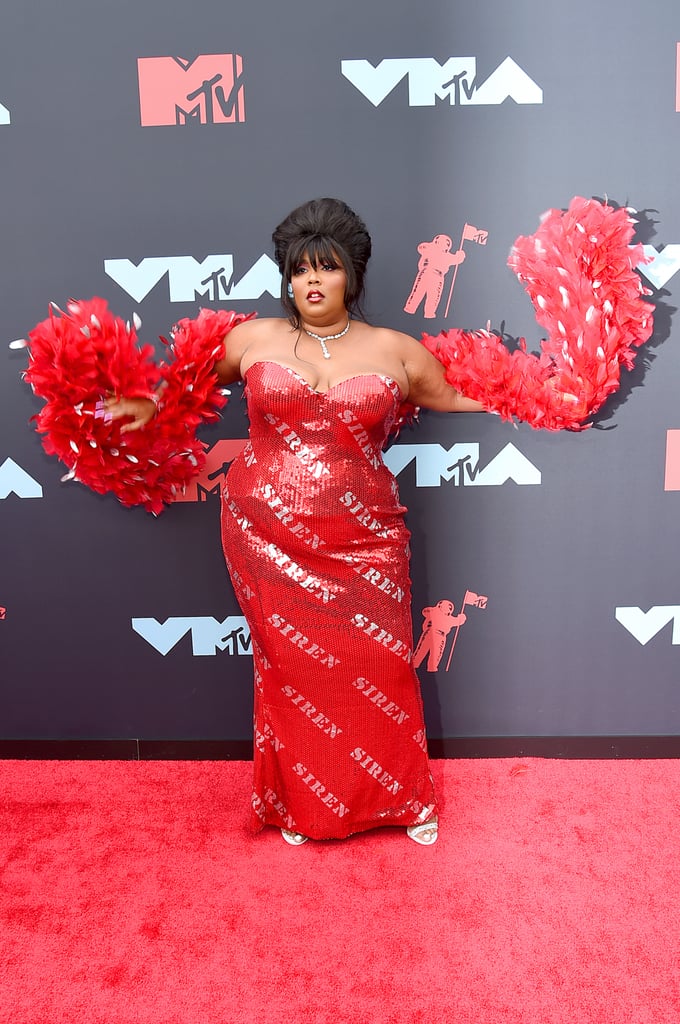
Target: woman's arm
239	339
140	410
428	386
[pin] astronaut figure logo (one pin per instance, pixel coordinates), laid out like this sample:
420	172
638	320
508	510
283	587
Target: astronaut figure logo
439	621
436	259
207	89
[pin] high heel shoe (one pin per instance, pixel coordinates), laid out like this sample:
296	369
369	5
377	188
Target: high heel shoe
293	838
425	834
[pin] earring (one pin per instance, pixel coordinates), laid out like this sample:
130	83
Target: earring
290	290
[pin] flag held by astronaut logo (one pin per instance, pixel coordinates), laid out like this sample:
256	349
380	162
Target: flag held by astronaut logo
473	234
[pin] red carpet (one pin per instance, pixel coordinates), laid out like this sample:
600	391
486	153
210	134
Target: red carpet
133	892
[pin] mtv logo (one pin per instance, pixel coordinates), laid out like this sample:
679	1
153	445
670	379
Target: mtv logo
204	90
672	477
211	477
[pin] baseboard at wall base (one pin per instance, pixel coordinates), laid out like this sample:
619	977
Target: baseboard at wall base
575	747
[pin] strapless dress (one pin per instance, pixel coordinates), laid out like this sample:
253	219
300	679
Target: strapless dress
317	549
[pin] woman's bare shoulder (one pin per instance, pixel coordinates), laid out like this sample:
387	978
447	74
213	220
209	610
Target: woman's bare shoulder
260	327
396	341
248	337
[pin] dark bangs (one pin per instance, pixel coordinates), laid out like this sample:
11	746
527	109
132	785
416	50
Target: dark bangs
328	231
319	249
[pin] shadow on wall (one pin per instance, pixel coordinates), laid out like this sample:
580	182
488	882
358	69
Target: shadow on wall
663	314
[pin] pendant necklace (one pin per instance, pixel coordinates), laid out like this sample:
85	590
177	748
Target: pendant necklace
329	337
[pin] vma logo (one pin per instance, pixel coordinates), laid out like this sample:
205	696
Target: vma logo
15	480
663	264
645	625
205	90
208	635
211	478
4	115
429	81
190	279
461	464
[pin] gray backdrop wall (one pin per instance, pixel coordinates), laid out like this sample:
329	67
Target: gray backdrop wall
148	149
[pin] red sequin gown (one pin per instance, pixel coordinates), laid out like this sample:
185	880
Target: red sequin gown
317	549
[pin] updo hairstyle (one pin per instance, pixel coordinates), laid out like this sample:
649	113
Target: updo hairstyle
328	231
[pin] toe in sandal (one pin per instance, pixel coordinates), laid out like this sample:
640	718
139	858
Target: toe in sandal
425	834
293	838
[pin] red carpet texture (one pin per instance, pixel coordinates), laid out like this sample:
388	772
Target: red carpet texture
133	892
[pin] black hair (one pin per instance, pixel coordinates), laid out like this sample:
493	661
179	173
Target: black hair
328	231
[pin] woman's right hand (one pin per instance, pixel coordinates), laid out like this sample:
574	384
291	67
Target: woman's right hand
139	411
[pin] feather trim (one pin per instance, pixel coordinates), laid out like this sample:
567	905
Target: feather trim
81	356
579	271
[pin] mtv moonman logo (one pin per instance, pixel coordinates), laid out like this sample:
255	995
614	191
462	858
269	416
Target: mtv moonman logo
436	259
439	621
207	89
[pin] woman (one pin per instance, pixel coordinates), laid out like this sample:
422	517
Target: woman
315	542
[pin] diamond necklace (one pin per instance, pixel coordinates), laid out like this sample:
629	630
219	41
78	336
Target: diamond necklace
328	337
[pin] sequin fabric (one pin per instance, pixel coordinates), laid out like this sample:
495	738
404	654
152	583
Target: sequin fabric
317	549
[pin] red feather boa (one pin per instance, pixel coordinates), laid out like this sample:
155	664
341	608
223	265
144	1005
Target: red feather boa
579	270
83	355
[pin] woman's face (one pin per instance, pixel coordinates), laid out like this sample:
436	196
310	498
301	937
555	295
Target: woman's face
319	291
